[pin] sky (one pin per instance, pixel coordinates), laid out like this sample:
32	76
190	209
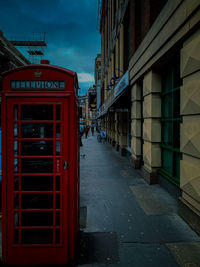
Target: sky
73	40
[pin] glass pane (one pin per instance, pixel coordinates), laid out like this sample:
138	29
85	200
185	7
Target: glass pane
176	104
58	113
167	80
16	201
57	201
57	236
37	201
57	130
37	165
167	161
15	112
57	183
16	165
168	133
16	236
167	106
57	218
37	219
16	219
37	236
57	148
15	129
176	134
15	148
37	148
16	183
37	112
37	183
37	130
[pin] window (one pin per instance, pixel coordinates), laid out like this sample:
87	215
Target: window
170	122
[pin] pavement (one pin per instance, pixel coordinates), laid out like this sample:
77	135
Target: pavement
126	222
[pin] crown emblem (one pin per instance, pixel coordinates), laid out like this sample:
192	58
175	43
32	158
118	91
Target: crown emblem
37	74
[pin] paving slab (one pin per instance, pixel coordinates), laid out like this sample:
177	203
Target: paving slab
148	196
186	254
146	255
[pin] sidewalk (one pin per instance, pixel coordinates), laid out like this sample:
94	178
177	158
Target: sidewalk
128	222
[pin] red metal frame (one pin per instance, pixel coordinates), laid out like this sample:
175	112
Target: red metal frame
54	253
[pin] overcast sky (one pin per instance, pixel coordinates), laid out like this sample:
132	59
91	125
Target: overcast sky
73	40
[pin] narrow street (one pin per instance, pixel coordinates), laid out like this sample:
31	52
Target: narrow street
125	221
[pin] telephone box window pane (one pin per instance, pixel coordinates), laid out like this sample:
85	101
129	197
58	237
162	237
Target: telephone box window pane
57	130
15	148
37	130
16	219
15	165
16	236
16	183
57	183
57	113
15	112
37	219
37	236
37	183
37	201
15	129
37	112
57	218
57	201
16	201
57	236
57	148
37	165
37	148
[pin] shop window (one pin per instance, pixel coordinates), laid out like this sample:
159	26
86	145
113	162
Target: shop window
170	121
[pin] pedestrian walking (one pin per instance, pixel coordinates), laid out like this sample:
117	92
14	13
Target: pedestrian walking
92	129
82	128
87	129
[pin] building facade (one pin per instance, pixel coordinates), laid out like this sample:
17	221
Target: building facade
10	57
150	105
92	103
97	80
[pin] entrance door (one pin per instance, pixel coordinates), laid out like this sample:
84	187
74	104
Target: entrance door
37	181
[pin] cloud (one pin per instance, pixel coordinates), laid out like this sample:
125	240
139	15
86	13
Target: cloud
72	37
85	77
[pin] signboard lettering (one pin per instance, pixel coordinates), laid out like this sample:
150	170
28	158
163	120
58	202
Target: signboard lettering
38	84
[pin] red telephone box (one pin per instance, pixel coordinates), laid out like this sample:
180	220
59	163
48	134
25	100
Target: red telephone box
40	174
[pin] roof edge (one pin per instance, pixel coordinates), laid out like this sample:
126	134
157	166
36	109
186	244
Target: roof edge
39	66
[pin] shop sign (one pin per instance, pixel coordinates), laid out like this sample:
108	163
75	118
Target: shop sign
122	84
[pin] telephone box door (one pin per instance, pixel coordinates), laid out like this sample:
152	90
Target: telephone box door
37	173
